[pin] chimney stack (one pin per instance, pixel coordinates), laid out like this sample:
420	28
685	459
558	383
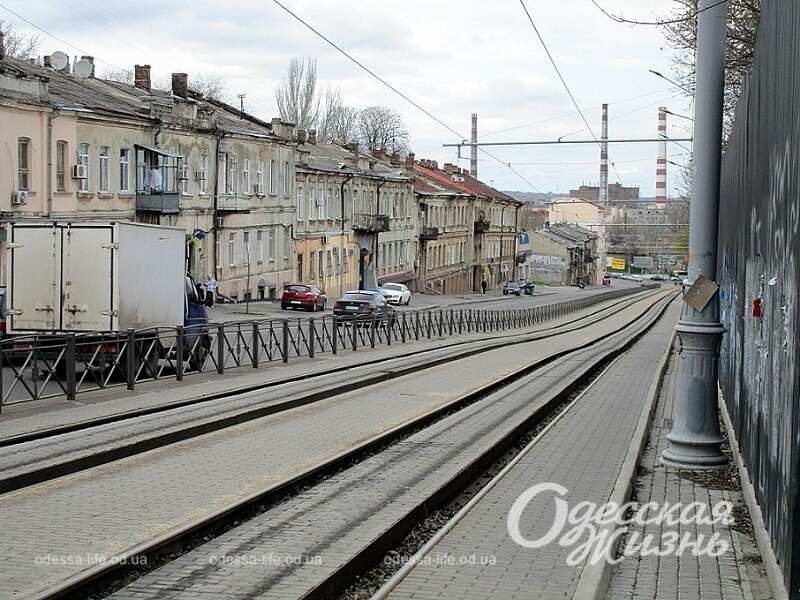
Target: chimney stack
141	77
661	161
46	62
312	136
603	191
473	149
180	84
352	146
2	45
450	168
410	160
90	60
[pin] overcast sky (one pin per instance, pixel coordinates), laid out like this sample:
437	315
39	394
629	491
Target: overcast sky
452	57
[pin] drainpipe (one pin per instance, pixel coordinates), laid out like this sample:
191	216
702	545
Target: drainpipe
214	228
516	241
50	118
376	260
343	252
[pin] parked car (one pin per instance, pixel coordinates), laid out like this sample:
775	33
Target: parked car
658	277
397	293
512	287
527	286
362	303
299	295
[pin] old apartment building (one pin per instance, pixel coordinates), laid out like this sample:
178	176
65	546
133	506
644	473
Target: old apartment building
355	225
467	230
82	148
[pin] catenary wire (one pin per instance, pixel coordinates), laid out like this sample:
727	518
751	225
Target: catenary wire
620	19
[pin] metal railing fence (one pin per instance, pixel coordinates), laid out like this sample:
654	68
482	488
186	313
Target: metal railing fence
45	366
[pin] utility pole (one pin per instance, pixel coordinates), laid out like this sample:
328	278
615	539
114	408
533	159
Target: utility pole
695	439
473	150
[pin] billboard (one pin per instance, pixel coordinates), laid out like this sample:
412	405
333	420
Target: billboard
618	264
643	262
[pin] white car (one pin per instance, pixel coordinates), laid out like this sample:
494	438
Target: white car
396	293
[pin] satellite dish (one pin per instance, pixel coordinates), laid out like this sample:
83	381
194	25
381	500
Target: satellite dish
83	68
59	60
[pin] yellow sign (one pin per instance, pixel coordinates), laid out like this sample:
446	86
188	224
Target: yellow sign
617	264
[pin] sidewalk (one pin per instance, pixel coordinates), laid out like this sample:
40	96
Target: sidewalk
735	575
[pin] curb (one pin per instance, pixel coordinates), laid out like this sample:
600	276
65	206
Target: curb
594	579
771	566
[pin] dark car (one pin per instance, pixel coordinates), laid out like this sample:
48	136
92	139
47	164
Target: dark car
299	295
527	286
362	304
512	287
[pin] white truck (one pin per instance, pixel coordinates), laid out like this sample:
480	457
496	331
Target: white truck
92	279
86	277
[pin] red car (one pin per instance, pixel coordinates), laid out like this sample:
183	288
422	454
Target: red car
299	295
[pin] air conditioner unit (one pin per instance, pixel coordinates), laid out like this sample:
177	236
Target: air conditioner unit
80	172
183	173
19	197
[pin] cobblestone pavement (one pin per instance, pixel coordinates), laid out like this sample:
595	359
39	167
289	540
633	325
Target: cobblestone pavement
685	576
321	529
114	507
583	451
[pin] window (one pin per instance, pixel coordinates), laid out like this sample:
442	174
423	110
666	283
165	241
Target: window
271	243
320	194
260	177
83	159
301	205
246	176
232	249
260	245
23	174
272	182
287	180
186	169
61	166
103	169
230	174
337	267
203	174
246	248
124	169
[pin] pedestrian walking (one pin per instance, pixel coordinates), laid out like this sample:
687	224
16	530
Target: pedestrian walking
483	286
211	290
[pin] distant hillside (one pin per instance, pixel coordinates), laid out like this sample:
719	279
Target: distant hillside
532	196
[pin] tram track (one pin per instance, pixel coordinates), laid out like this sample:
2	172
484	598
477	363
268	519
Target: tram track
47	457
98	578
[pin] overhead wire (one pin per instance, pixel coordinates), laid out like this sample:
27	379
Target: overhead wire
405	97
563	82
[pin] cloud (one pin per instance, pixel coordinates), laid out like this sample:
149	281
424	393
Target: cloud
452	58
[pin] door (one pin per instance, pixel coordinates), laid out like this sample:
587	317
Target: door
34	263
87	278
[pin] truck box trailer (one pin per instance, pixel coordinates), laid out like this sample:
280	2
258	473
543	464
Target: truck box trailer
79	277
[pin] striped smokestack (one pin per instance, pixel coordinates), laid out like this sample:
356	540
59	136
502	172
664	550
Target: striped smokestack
473	149
603	192
661	161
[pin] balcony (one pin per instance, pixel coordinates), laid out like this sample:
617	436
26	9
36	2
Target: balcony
363	223
429	233
233	203
481	226
165	203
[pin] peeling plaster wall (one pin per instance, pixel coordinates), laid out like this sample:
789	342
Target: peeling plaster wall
759	246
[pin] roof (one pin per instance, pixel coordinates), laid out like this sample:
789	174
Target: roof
568	234
115	98
575	200
332	158
456	183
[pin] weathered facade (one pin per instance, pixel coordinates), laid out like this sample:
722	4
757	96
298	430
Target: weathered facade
91	149
476	230
561	255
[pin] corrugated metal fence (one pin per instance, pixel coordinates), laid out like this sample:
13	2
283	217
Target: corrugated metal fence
759	251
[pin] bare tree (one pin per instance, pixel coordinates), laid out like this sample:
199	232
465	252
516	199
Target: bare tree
680	30
382	128
118	75
210	86
297	97
18	45
338	124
